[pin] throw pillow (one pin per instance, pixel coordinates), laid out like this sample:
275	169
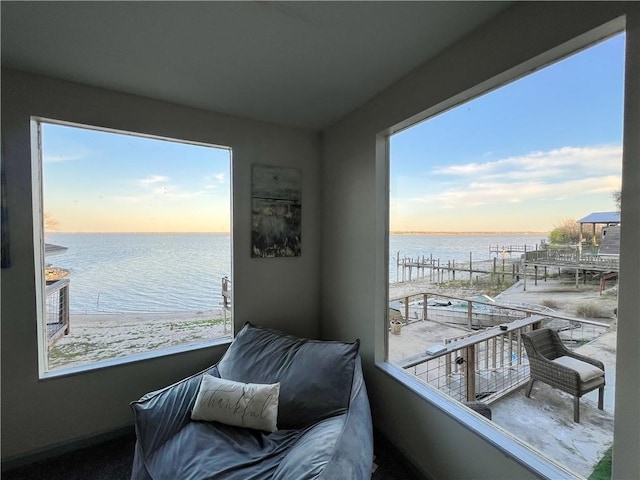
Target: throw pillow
248	405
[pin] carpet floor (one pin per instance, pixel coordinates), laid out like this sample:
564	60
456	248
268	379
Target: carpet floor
112	461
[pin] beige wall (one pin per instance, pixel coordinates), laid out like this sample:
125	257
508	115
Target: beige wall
344	224
40	414
355	221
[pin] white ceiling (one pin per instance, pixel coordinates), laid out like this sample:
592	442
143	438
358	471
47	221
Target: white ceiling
295	63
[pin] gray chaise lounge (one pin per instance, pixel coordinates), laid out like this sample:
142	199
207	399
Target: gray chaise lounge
323	418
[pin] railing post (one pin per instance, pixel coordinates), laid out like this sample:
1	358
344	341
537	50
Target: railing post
424	307
64	306
494	353
470	313
406	309
486	354
519	346
510	339
471	372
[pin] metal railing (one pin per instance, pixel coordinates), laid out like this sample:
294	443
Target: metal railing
226	300
480	312
57	310
482	366
490	363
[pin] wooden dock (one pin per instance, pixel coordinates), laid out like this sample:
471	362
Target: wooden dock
528	262
438	271
504	250
604	266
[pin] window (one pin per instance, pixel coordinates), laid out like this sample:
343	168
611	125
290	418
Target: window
485	207
136	243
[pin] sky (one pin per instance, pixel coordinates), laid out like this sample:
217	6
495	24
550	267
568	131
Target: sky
96	181
523	157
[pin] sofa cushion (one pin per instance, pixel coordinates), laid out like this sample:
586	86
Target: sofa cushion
315	376
240	404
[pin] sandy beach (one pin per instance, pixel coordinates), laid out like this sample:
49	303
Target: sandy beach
98	337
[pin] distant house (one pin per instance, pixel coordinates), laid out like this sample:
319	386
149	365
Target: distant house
606	219
610	241
52	273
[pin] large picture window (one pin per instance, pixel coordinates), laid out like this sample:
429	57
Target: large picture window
504	219
136	245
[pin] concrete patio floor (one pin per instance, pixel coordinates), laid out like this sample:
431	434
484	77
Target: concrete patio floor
545	420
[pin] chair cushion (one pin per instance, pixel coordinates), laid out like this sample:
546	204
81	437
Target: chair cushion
585	370
315	376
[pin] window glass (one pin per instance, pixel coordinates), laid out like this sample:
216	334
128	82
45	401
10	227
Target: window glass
136	244
504	219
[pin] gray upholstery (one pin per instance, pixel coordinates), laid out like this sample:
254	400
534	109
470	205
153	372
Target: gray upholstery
315	377
324	418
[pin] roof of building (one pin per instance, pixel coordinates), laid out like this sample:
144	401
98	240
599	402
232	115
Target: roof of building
601	217
50	249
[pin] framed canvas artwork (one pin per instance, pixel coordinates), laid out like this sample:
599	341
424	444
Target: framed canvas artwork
276	203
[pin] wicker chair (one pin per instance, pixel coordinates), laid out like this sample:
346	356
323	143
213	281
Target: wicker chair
554	364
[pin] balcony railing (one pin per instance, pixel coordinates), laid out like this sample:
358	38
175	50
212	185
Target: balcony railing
572	257
57	310
490	363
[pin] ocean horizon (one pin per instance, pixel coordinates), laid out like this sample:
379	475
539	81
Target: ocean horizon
143	272
118	272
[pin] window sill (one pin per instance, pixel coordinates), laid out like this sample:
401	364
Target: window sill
141	357
511	446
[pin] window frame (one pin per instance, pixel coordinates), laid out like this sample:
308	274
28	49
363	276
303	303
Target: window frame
37	166
510	445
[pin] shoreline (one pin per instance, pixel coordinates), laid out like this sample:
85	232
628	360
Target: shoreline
178	315
101	337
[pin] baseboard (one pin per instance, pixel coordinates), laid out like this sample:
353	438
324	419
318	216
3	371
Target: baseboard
60	449
382	442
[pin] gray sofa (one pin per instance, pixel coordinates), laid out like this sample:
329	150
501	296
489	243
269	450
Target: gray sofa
323	417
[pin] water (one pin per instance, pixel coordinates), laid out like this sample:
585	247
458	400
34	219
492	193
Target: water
139	272
129	272
453	247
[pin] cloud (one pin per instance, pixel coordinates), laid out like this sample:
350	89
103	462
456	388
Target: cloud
171	192
564	173
217	179
62	158
166	193
565	161
69	151
153	179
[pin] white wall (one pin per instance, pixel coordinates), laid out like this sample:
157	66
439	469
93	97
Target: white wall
38	415
354	252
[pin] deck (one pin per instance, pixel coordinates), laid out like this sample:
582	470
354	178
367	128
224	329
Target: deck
545	420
